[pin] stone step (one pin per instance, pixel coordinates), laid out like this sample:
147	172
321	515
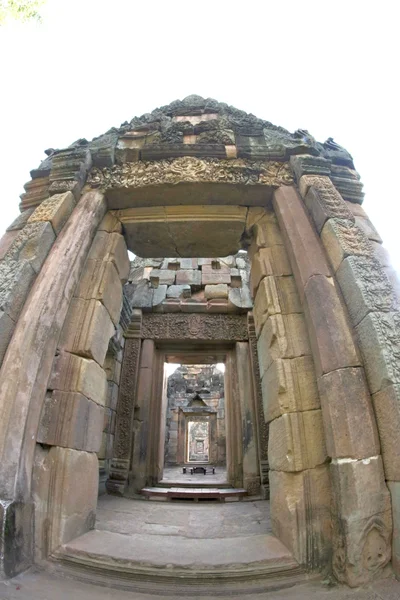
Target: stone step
177	565
194	493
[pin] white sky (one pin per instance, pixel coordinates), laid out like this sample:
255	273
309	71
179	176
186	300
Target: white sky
329	67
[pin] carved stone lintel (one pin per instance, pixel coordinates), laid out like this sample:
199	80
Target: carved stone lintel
191	169
194	327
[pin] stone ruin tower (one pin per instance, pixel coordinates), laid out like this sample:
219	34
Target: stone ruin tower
310	333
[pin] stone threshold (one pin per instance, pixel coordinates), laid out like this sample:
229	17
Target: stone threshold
194	493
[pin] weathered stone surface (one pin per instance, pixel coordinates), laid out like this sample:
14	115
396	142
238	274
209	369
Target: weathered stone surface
342	238
368	228
6	330
387	411
21	220
87	330
330	333
216	291
283	336
268	261
362	520
306	164
72	373
56	209
365	287
112	368
394	488
289	385
296	441
16	278
347	182
324	202
111	247
189	277
65	485
301	514
275	295
36	191
70	420
215	276
100	281
32	244
178	291
140	295
16	534
110	224
379	341
159	294
263	227
241	297
349	419
6	241
162	277
302	243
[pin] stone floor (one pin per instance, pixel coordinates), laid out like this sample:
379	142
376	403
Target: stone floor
44	586
174	475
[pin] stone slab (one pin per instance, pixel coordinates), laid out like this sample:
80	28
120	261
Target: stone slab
189	277
387	411
289	385
216	291
32	244
72	373
267	262
56	210
16	279
275	295
162	276
328	327
342	238
111	247
324	202
296	441
348	415
100	281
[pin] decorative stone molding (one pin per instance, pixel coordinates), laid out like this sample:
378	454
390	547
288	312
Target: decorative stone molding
190	169
189	326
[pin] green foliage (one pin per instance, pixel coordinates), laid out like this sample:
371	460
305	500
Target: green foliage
20	10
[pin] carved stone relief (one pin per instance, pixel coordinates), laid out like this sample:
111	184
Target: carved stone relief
194	326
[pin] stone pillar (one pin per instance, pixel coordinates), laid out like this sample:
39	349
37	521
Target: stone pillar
25	374
251	473
362	523
299	478
234	460
138	476
73	413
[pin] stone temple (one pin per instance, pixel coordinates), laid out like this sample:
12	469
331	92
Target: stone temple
250	350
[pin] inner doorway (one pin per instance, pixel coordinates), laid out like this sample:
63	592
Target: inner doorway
195	429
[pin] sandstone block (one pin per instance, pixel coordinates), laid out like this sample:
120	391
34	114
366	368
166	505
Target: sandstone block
365	287
140	295
106	446
6	241
189	277
16	279
394	488
241	297
283	336
379	341
275	295
65	487
348	416
306	164
111	247
362	520
192	305
356	209
289	385
110	224
265	230
268	261
36	191
301	514
56	209
159	294
324	202
368	228
330	333
70	420
162	277
21	220
387	411
178	291
296	441
6	330
72	373
215	276
100	281
381	254
342	238
302	243
112	395
216	291
32	244
87	329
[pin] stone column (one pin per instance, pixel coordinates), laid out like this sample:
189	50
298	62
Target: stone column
233	423
299	477
138	476
25	373
362	523
251	473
